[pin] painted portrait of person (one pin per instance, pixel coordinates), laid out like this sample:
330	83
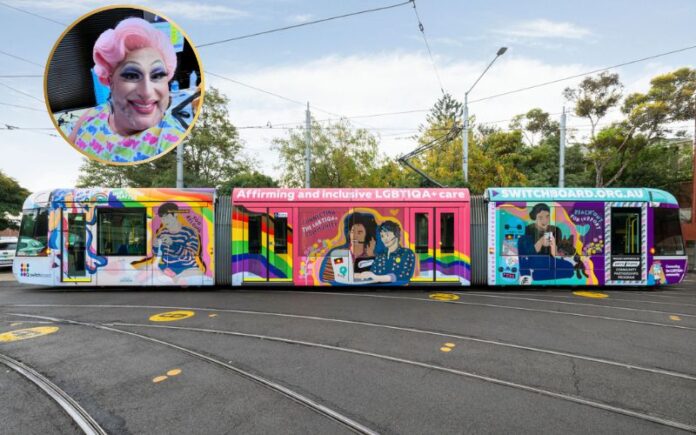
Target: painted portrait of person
139	104
177	246
360	232
541	246
396	263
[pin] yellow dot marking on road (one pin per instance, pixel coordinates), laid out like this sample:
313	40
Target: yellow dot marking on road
15	324
676	318
212	315
24	334
446	349
157	379
172	316
443	296
174	372
594	295
449	344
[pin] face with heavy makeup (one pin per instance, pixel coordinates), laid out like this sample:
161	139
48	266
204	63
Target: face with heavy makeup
139	92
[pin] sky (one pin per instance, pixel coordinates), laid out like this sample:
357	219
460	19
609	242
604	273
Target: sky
355	67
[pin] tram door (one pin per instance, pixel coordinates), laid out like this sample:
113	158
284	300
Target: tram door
269	245
423	239
73	258
448	230
628	238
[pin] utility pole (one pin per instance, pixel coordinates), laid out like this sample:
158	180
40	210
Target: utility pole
180	165
561	163
308	145
465	129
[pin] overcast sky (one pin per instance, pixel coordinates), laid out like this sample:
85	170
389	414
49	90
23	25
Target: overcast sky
363	65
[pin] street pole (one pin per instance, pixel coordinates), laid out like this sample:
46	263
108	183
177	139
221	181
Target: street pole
180	165
561	163
465	139
465	129
308	145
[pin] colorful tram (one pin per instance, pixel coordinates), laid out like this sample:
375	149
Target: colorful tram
350	237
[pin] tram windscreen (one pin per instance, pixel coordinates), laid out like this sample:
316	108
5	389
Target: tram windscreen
33	233
668	237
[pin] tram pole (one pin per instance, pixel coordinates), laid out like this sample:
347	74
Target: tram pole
308	144
561	163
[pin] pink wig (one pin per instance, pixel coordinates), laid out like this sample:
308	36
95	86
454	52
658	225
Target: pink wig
130	34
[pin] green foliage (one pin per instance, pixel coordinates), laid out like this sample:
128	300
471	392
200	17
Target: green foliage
594	96
247	179
341	157
12	197
212	156
664	165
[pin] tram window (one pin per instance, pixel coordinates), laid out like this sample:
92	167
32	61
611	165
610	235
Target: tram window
625	231
121	232
668	237
33	233
447	233
422	239
254	234
280	234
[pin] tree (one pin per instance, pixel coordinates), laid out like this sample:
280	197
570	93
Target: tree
594	97
341	156
212	156
535	122
12	197
247	179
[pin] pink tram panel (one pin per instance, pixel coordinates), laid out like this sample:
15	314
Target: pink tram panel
346	237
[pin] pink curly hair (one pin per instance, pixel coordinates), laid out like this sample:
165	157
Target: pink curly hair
113	45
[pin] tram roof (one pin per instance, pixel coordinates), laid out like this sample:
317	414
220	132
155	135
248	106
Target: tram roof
282	195
535	194
115	196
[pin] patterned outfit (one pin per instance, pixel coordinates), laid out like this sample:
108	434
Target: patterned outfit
400	265
96	139
181	253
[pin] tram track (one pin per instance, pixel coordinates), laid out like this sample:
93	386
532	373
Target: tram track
579	304
510	307
115	327
441	334
73	409
278	388
612	299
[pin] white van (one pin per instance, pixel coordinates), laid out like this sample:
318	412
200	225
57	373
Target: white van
8	246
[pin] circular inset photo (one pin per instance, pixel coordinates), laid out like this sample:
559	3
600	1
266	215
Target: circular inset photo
123	85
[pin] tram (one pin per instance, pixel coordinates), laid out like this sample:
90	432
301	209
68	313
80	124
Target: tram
350	237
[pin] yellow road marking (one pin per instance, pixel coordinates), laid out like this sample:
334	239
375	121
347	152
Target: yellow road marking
159	379
446	349
443	296
24	334
677	318
594	295
172	316
449	344
173	372
212	315
15	324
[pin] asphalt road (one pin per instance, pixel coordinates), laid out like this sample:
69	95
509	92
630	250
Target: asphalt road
294	361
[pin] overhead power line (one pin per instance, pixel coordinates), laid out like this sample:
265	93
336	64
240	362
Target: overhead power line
22	107
20	76
430	53
23	59
307	23
655	56
32	13
22	92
